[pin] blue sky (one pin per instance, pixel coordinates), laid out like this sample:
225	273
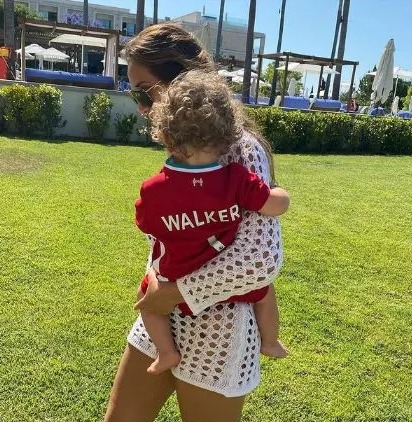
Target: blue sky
310	24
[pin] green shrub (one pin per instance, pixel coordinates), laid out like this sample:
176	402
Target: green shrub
124	124
29	110
20	111
97	108
305	132
49	102
143	130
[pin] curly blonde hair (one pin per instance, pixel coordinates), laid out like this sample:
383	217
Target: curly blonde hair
196	111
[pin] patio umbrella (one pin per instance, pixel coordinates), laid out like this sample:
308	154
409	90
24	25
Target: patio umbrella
403	74
395	105
240	72
53	55
307	68
33	49
398	73
253	87
80	40
292	87
27	55
383	81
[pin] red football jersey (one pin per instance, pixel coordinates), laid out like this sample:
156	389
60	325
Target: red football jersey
194	212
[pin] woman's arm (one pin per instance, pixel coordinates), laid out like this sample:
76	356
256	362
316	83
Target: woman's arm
160	298
252	261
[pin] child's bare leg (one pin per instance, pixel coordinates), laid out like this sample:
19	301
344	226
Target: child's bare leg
267	317
158	328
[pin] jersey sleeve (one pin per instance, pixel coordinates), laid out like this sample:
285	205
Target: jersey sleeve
141	214
252	191
255	257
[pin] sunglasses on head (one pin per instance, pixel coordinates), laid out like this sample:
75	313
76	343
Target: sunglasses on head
141	96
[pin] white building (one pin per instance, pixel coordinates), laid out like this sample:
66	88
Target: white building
204	27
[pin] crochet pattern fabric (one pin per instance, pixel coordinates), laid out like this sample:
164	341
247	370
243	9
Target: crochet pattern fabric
220	344
253	260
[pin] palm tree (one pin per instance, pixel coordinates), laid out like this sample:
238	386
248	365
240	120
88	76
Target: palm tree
219	30
9	40
341	49
155	10
335	41
9	23
249	50
279	47
86	12
140	16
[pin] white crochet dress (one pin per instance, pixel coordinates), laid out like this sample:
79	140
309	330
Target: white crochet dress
220	345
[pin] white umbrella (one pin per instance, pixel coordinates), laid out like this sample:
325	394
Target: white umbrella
253	87
238	75
53	55
383	81
33	49
27	55
398	73
307	68
80	40
239	80
395	105
403	74
292	87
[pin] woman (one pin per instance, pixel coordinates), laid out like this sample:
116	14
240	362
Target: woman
219	346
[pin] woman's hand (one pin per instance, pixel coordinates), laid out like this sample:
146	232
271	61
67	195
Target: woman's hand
160	298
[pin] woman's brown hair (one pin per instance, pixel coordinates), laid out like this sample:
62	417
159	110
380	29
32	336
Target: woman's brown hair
167	50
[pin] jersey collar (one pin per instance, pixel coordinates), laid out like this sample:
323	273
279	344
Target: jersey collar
172	164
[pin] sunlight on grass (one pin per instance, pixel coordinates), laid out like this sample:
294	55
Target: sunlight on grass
71	259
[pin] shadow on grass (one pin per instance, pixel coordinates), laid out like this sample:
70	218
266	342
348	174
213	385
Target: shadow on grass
66	139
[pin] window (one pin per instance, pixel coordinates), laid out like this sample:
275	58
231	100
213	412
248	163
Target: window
48	13
106	21
75	17
128	29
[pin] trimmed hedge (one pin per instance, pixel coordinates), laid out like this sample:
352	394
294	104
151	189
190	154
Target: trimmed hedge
28	110
306	132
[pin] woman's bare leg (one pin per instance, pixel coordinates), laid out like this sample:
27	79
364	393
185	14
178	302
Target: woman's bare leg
136	395
199	405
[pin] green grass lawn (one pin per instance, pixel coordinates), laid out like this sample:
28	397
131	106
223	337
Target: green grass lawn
70	260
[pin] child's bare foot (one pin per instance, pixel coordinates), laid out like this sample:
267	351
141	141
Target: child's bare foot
274	349
164	361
